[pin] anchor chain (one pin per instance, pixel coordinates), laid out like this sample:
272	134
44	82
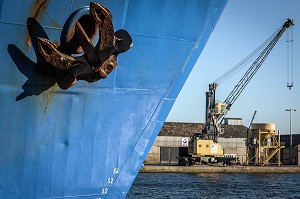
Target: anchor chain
96	62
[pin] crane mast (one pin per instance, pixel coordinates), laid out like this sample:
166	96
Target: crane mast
215	112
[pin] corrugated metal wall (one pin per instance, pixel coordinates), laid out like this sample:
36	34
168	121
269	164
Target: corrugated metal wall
168	154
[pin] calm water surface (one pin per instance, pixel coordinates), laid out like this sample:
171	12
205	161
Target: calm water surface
215	185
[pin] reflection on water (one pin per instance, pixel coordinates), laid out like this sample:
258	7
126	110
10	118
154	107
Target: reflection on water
215	185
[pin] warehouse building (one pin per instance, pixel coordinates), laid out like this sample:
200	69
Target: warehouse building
173	138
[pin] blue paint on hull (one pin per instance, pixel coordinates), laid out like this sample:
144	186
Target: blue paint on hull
90	141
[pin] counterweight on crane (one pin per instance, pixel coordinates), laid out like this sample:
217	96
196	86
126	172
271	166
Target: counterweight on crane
216	111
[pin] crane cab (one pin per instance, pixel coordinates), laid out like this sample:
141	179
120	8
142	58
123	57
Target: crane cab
220	108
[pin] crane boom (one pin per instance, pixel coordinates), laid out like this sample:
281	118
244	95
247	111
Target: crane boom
215	112
238	89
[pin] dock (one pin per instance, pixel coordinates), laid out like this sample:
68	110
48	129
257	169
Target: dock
218	169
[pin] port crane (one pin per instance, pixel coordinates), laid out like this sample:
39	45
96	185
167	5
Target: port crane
216	111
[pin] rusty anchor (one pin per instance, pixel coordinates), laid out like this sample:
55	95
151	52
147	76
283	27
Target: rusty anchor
96	62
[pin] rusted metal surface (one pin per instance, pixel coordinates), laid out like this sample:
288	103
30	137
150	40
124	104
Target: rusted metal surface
98	61
104	21
71	44
50	53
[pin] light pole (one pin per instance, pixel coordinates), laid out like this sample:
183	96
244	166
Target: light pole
291	138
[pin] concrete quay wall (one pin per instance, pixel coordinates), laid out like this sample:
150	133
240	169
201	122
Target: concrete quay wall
218	169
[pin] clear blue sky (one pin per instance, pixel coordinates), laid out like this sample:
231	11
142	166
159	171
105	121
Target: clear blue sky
243	26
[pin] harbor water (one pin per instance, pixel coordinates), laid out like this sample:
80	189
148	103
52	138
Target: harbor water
215	185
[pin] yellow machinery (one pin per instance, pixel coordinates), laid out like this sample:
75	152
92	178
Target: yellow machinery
220	108
207	148
205	151
265	144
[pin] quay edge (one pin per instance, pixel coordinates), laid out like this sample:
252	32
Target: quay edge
218	169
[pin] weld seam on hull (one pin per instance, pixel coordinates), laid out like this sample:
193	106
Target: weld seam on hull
125	13
92	90
76	196
22	24
157	37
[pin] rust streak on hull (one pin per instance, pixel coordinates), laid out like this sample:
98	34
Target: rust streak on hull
38	8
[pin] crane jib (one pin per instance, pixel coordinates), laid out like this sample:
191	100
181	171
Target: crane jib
215	112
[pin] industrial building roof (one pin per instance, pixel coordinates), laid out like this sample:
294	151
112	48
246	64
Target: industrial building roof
183	129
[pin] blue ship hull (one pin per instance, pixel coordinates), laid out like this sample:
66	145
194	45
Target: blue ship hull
90	141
